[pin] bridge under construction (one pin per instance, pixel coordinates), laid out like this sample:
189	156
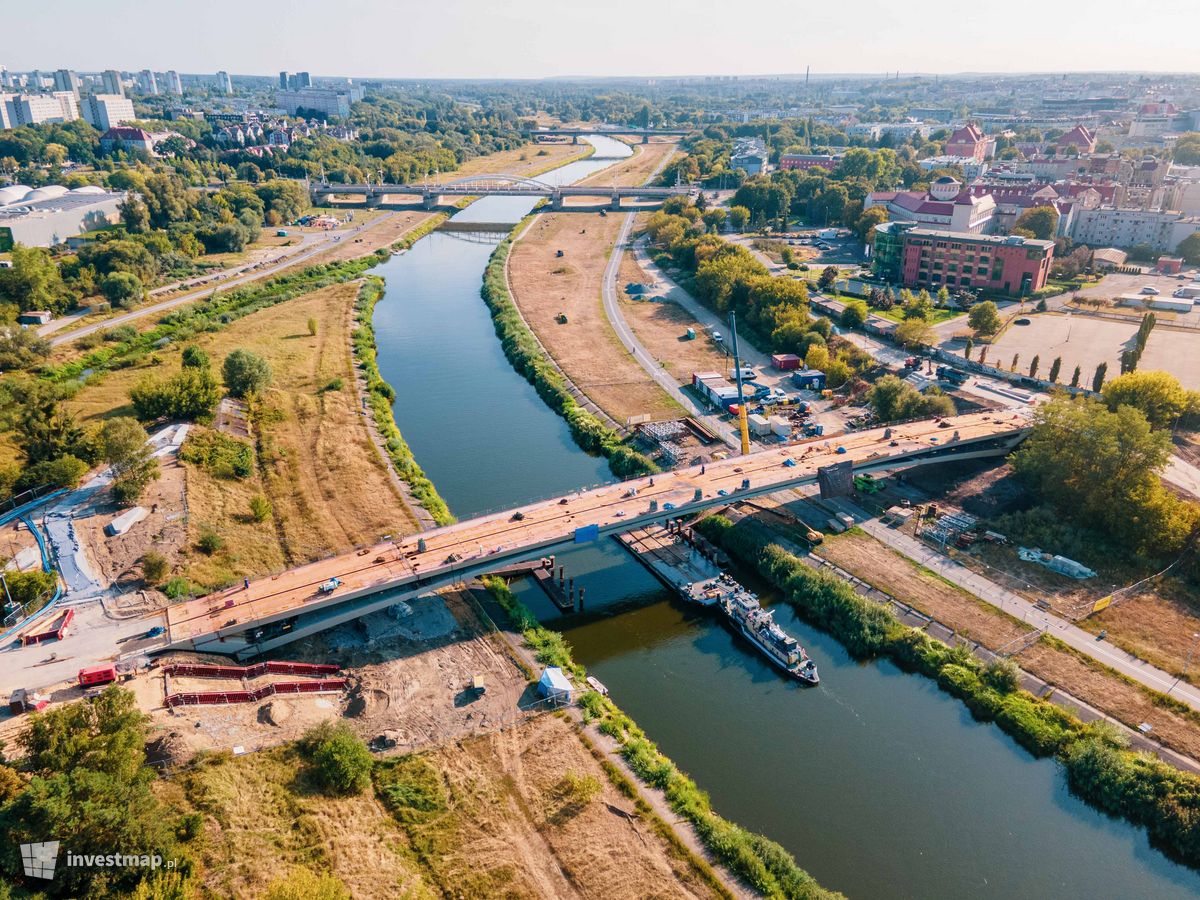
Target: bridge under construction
272	611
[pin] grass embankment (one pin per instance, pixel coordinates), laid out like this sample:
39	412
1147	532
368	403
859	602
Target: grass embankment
760	862
522	349
1098	765
380	396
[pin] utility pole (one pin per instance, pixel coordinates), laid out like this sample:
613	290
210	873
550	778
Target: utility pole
737	371
1186	664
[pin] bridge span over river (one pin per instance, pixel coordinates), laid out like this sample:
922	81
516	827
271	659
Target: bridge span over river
497	185
275	610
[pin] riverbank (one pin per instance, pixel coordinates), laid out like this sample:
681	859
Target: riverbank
759	862
1098	767
555	271
523	351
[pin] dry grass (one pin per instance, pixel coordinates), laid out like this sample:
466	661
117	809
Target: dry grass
545	285
263	818
862	555
1156	626
662	329
328	484
1112	694
508	832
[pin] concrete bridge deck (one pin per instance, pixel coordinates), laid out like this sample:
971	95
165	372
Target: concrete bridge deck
498	185
287	606
644	133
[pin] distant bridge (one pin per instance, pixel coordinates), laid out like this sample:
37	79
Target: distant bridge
576	133
275	610
498	185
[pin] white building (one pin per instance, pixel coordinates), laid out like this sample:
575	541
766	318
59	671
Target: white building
224	83
66	80
103	111
174	85
326	101
147	83
51	214
111	81
33	109
1118	227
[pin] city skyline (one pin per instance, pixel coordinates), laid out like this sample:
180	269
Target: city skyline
669	39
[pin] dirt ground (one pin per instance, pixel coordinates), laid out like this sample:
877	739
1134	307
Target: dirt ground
545	285
16	539
662	329
329	487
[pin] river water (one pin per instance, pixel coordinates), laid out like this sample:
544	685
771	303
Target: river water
880	784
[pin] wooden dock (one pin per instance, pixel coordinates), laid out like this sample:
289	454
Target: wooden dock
542	572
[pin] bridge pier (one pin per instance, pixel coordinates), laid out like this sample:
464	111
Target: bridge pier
574	139
615	203
645	138
556	202
374	201
429	200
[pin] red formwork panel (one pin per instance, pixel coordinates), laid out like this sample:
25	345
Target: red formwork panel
194	670
205	698
57	629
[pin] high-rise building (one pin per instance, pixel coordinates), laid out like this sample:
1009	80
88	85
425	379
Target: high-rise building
5	77
111	82
283	81
174	85
147	83
303	80
103	111
33	109
224	83
66	80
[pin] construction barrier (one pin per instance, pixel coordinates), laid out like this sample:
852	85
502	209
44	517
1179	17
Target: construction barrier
57	629
193	670
204	698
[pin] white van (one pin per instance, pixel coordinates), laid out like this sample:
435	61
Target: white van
747	373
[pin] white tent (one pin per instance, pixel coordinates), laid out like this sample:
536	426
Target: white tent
554	685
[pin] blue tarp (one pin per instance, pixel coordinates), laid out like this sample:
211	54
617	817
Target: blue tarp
587	533
554	684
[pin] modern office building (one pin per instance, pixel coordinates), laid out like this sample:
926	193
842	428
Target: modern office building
928	258
103	111
323	101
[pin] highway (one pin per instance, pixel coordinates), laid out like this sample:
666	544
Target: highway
474	545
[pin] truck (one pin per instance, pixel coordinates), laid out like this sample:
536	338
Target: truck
97	675
946	373
827	233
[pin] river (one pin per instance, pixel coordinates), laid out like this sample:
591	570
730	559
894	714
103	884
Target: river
879	783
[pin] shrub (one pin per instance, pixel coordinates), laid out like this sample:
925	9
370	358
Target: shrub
194	358
66	471
246	373
178	587
304	884
154	567
191	394
333	384
218	453
341	761
312	325
210	542
260	508
121	334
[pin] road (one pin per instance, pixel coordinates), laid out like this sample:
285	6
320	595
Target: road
1016	605
319	243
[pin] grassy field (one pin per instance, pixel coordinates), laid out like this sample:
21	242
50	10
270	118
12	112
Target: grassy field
329	487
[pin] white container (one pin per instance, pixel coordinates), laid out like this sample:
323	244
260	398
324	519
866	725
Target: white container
759	424
780	426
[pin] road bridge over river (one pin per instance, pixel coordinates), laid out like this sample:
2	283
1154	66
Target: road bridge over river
275	610
498	185
644	133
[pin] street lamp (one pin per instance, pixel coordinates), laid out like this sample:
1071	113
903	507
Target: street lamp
1187	662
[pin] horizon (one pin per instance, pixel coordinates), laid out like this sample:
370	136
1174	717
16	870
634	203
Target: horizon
660	41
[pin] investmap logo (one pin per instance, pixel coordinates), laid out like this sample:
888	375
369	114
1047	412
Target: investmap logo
40	860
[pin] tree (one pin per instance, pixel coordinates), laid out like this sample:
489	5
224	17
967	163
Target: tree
914	333
967	349
124	446
1033	366
122	289
739	218
246	373
714	218
828	279
194	358
1075	376
191	394
1100	469
1189	249
864	228
1041	222
984	318
1098	378
1157	395
33	281
854	314
1186	151
1055	368
894	399
341	761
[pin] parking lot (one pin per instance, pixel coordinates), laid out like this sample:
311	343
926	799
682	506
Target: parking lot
1117	285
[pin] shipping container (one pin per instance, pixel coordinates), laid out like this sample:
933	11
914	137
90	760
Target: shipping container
786	362
759	425
780	426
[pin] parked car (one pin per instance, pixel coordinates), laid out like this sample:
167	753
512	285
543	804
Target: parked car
1149	290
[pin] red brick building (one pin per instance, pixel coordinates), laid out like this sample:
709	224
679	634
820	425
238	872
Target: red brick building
806	161
970	142
1008	265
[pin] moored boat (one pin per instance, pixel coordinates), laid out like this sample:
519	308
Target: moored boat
758	626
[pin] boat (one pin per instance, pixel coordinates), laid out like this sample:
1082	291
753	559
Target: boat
758	626
709	592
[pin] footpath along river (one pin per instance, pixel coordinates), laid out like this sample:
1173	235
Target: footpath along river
880	784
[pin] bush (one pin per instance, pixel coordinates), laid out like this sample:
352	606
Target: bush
122	289
121	334
178	587
194	358
191	394
154	567
260	508
312	325
304	884
341	761
66	471
218	453
210	542
333	384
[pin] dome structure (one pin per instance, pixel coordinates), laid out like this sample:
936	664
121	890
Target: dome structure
88	189
14	193
49	192
945	188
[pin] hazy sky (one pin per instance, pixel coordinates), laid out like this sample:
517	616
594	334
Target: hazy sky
521	38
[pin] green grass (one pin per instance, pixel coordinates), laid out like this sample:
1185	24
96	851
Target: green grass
936	317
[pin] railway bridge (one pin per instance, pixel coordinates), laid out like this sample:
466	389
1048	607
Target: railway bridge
272	611
498	185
